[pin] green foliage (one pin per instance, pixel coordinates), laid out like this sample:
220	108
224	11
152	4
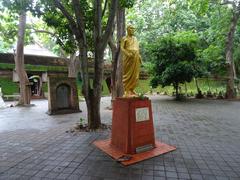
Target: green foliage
127	3
9	27
81	121
36	28
213	85
208	22
18	5
200	6
56	20
142	96
8	30
9	21
45	87
8	87
236	54
174	61
40	68
214	59
105	90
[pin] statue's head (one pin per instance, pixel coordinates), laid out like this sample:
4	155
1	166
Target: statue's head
130	30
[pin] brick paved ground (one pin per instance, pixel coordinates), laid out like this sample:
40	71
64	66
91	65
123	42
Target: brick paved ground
34	145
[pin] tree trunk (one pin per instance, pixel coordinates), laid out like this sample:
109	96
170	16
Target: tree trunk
114	52
196	82
93	107
77	25
230	93
97	90
40	90
73	66
19	62
95	94
185	84
209	89
199	92
177	92
117	85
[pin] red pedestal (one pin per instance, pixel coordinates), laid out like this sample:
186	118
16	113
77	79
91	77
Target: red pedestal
132	132
132	125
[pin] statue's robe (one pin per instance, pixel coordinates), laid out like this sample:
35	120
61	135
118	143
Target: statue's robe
131	64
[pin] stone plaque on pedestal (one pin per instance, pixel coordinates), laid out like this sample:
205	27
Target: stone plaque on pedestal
142	114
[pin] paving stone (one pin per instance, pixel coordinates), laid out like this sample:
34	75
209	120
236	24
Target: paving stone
68	170
183	175
171	174
196	176
222	178
160	178
159	173
159	168
206	133
74	177
148	172
147	177
62	176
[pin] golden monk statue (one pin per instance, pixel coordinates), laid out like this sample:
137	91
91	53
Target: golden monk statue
131	62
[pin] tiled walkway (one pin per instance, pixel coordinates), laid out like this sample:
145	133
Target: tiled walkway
34	145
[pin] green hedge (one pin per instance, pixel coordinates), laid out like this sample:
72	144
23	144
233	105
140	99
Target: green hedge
40	68
105	91
8	86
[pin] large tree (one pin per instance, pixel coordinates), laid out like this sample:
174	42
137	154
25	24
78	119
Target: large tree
174	59
56	32
234	6
77	15
231	72
19	61
20	7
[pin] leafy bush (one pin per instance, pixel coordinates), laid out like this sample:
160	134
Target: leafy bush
175	61
8	86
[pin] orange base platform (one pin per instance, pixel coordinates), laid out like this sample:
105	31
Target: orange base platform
160	148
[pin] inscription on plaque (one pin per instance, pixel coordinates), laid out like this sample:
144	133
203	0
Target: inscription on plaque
142	114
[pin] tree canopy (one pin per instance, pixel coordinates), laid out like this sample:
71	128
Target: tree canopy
204	32
175	60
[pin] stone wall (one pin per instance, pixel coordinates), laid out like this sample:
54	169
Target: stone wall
6	73
34	60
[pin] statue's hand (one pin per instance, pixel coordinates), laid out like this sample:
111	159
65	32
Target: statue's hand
132	53
129	54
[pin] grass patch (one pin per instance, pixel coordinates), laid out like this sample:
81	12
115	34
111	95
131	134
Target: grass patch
105	91
205	85
8	86
45	87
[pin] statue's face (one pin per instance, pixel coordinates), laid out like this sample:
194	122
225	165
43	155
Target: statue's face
130	31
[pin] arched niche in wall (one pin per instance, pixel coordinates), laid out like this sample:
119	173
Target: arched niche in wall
63	93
